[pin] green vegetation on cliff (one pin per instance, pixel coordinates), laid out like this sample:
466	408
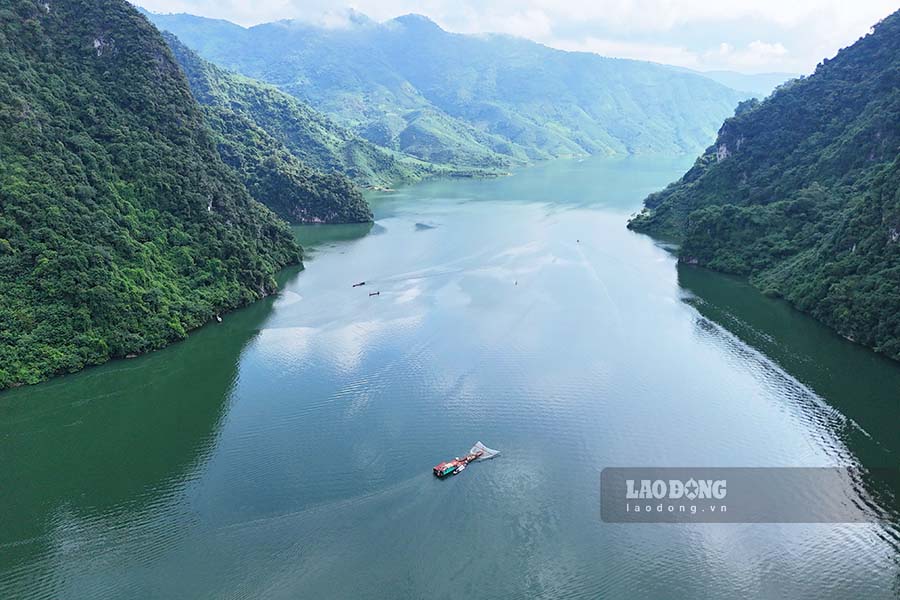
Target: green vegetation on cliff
120	226
256	120
242	113
802	194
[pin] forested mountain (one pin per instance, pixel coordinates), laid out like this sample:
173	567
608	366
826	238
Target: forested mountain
756	84
482	101
802	193
120	226
250	121
308	135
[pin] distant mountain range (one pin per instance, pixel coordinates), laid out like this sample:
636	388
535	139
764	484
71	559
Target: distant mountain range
259	125
801	193
486	101
758	84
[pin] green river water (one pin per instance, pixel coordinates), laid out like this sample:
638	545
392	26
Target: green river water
287	452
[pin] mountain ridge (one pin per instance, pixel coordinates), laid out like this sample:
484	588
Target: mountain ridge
801	193
478	101
121	229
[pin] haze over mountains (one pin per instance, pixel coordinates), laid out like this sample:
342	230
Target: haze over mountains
487	101
755	84
249	113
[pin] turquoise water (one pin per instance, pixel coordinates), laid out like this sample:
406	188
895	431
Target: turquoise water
287	452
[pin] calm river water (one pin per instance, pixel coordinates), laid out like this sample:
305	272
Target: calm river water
287	452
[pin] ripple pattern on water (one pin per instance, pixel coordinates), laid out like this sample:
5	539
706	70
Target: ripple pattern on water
287	452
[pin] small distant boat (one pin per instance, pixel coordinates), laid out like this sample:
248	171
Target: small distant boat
359	284
374	294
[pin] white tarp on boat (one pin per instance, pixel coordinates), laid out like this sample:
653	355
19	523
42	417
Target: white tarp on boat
486	452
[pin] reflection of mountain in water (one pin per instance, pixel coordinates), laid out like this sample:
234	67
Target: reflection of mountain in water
858	424
117	439
314	235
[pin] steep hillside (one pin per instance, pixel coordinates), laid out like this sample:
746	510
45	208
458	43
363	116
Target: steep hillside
485	101
120	226
244	116
802	193
309	135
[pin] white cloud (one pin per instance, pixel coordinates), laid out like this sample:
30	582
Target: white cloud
776	35
755	56
531	23
670	55
662	15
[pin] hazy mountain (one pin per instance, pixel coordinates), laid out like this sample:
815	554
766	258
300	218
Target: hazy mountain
485	101
239	110
802	193
283	127
120	226
757	84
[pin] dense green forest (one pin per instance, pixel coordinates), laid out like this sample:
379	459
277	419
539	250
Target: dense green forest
307	134
242	113
801	193
120	226
486	101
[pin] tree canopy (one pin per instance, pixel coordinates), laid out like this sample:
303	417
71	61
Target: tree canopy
120	226
801	192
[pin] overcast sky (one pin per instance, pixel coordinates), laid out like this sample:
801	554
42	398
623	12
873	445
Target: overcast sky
751	36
